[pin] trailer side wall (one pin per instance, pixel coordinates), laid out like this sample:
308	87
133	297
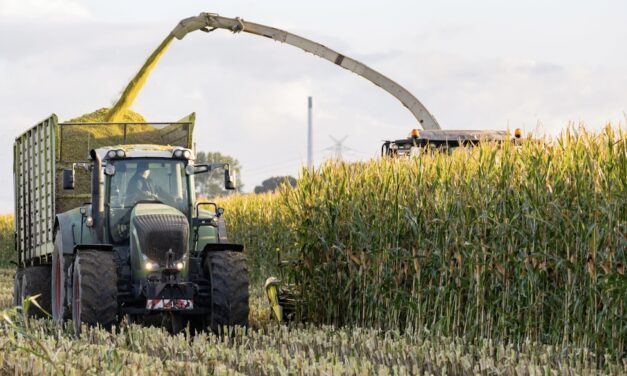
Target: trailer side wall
34	155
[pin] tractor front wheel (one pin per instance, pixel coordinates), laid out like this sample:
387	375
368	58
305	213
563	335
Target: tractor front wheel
94	289
228	275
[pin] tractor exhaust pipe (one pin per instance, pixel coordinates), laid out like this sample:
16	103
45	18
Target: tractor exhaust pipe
97	196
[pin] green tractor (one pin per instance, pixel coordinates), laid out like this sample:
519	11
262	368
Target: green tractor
120	233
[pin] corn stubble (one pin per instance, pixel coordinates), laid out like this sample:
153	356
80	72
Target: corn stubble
32	346
506	243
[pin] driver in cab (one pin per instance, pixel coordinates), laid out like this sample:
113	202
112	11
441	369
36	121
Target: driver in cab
141	187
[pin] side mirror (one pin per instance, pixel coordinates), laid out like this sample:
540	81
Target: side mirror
219	212
199	169
68	178
229	182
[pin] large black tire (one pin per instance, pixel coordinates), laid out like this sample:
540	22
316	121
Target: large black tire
94	289
228	275
59	281
17	288
36	281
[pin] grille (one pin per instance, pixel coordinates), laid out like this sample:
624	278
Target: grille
158	233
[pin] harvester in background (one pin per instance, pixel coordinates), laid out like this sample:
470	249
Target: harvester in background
107	225
444	141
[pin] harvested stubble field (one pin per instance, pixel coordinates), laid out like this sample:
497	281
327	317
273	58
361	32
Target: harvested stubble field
490	261
42	347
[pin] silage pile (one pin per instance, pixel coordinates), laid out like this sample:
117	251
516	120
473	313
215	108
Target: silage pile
100	115
78	139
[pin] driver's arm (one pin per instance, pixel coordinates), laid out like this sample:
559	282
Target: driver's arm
150	189
162	193
143	190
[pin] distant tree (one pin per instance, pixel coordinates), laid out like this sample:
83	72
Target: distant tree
271	184
211	184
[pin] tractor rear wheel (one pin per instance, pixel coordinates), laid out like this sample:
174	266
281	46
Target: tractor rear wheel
36	281
94	289
228	275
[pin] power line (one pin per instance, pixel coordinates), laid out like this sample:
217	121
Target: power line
338	146
269	167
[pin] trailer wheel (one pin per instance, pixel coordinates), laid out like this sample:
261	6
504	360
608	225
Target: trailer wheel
94	289
36	281
228	275
59	281
17	288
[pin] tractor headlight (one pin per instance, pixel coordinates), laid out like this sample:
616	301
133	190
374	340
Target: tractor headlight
150	265
182	153
110	170
180	265
116	154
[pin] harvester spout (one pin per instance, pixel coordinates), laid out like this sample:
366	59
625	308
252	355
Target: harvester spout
205	20
188	25
211	21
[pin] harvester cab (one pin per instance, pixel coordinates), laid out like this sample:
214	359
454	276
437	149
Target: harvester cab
142	247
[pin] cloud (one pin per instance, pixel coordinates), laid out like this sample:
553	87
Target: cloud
478	92
250	94
42	9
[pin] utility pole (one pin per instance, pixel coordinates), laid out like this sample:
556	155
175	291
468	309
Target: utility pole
309	134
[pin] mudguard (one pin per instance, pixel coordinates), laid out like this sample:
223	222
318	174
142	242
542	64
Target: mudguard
69	224
66	231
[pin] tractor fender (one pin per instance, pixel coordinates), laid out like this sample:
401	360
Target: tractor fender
93	247
64	224
213	247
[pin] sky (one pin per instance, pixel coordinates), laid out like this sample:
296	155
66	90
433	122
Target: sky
483	64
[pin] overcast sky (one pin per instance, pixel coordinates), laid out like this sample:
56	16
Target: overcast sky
492	64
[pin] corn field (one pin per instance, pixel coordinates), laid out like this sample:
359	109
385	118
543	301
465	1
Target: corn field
7	244
502	243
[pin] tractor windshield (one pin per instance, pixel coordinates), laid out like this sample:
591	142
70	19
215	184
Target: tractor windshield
148	180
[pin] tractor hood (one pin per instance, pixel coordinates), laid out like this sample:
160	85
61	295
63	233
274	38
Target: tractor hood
160	233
